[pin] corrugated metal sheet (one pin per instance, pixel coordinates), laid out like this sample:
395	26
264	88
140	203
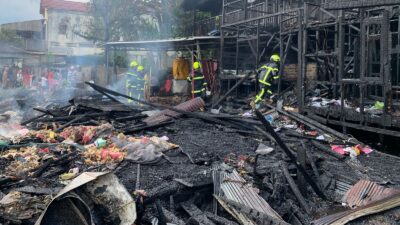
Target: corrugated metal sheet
64	5
363	195
165	115
342	218
365	192
234	188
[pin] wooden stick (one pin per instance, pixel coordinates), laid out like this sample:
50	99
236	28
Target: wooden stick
295	189
279	141
231	90
70	122
327	150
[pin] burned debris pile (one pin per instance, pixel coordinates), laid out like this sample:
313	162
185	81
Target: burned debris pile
85	161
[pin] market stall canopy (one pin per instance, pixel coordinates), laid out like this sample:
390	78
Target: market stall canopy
168	44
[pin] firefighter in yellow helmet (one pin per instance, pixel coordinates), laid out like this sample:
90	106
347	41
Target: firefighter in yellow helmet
268	79
131	79
140	83
197	81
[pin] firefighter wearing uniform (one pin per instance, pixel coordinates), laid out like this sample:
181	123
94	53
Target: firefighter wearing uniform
199	84
131	79
268	76
140	83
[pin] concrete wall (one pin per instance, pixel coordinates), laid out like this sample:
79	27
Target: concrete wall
61	33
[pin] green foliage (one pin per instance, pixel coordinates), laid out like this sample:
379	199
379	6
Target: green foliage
11	37
134	20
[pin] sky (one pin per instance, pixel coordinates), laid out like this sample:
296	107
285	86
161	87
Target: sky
21	10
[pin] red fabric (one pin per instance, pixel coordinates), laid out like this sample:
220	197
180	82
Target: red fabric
26	78
65	5
50	79
168	85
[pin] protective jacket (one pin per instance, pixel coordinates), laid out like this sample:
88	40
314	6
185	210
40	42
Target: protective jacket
200	84
268	76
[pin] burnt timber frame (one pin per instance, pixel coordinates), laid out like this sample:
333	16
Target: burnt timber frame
360	66
354	43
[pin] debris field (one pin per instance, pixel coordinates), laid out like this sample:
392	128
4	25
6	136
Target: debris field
184	166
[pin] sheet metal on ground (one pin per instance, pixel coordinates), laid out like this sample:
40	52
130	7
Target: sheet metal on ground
236	189
165	115
366	198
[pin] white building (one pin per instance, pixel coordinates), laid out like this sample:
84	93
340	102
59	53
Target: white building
63	20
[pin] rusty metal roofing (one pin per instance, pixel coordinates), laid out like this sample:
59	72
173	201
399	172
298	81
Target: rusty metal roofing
364	198
236	189
365	192
165	115
63	5
342	218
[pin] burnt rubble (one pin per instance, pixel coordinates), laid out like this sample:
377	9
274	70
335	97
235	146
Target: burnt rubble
190	167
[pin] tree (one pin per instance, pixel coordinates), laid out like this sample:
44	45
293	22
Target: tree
132	20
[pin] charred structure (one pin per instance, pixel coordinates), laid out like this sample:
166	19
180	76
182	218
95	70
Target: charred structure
346	49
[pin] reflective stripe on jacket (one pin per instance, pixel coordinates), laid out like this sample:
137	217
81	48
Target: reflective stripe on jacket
200	84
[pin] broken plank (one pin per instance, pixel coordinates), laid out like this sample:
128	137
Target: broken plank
171	218
147	127
327	150
69	123
231	90
295	189
292	157
219	220
196	213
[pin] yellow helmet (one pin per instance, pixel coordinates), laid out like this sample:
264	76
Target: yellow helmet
196	65
140	68
275	58
134	64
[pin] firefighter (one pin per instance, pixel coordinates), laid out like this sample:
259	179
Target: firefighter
140	83
131	79
198	82
268	80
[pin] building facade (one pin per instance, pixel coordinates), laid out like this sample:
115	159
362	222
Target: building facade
64	21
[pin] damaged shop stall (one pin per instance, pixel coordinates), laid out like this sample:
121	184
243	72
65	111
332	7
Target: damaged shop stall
167	63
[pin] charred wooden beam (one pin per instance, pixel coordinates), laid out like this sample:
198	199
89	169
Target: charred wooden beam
295	189
231	90
190	114
147	127
327	150
172	218
219	220
39	171
196	213
69	123
283	146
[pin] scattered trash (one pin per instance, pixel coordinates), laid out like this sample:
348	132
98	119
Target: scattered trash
264	150
352	151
